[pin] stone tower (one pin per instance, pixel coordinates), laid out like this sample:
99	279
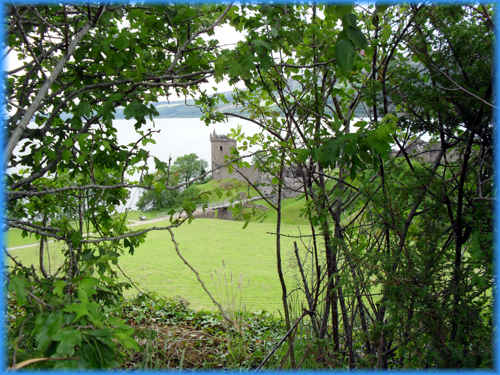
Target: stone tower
221	147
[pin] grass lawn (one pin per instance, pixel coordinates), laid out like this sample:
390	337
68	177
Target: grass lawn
225	190
238	265
291	212
14	237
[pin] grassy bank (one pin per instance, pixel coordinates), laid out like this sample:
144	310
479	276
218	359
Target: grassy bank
238	265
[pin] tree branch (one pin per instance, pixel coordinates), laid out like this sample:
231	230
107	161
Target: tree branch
27	193
18	131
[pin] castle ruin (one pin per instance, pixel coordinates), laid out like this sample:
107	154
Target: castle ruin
221	155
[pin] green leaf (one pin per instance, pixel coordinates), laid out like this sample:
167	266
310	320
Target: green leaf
356	37
349	20
302	155
136	110
96	315
84	109
125	338
47	327
116	97
102	333
337	11
80	309
59	287
380	8
66	155
68	339
37	156
121	42
75	238
344	53
262	43
19	285
87	287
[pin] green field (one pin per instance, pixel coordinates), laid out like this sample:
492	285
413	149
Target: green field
15	238
225	190
238	265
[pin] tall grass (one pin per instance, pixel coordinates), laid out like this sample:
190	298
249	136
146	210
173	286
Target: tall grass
229	290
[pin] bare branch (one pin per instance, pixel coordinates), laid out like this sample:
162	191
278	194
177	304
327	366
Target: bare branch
460	87
133	234
32	229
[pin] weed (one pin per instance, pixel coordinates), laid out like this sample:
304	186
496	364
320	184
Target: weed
173	336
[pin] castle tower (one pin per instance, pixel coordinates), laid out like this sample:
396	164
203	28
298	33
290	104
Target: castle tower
221	147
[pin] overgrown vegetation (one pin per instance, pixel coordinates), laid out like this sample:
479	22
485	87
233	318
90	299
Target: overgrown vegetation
399	273
183	171
386	113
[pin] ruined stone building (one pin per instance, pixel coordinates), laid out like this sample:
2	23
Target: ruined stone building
221	146
427	152
221	155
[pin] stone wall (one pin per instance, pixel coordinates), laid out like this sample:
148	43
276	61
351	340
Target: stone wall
221	146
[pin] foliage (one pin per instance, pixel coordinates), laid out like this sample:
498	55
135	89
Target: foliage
66	172
170	199
65	322
185	171
166	327
158	200
398	271
189	167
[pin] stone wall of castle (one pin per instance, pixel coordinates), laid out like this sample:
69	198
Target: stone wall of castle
221	146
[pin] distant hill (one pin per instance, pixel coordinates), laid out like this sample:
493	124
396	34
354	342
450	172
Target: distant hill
187	109
184	109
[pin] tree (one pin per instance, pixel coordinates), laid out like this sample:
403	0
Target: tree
189	167
289	62
385	225
456	111
185	171
78	64
158	200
